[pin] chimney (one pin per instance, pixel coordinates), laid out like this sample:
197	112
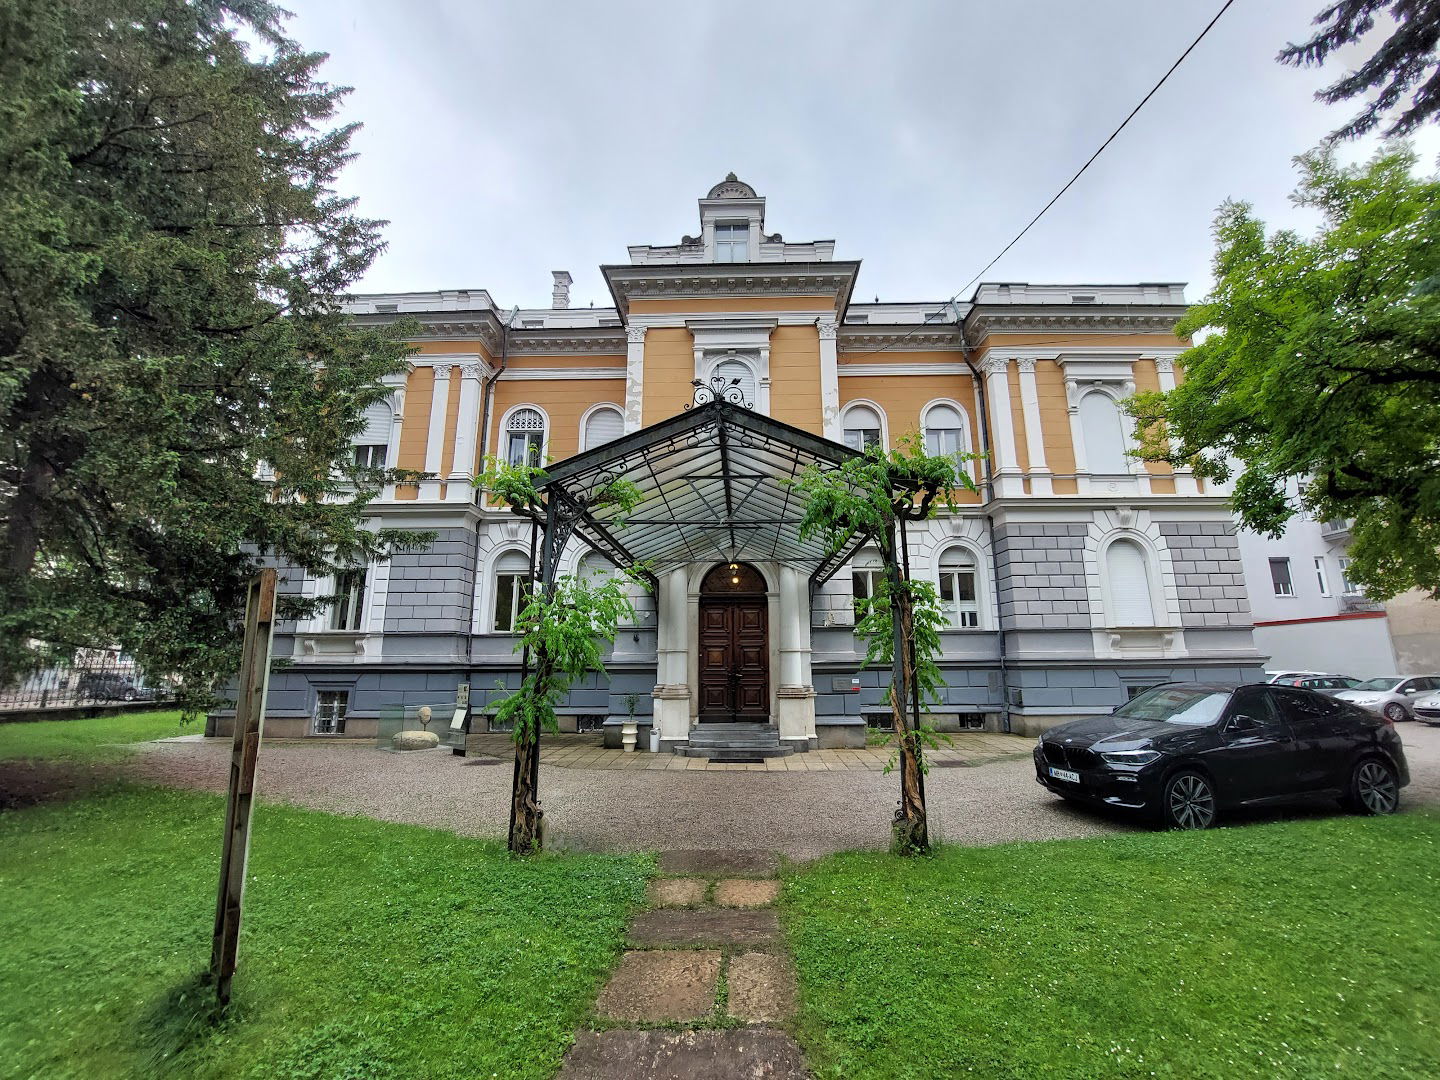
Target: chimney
560	294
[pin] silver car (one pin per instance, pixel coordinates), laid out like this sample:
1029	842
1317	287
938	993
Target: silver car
1392	696
1427	710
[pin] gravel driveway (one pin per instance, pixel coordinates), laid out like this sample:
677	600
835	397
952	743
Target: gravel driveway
804	814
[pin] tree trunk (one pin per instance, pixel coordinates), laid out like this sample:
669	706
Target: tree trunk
526	835
911	833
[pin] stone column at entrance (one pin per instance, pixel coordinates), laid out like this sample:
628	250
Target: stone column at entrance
795	696
672	686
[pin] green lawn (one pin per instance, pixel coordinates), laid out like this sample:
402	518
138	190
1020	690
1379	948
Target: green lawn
1296	949
369	949
90	739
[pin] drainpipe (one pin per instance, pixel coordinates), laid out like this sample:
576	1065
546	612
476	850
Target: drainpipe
988	491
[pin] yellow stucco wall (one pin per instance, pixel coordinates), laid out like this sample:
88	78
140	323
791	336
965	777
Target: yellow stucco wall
563	401
795	376
904	397
669	369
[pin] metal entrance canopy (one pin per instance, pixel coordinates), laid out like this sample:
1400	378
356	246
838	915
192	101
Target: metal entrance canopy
715	487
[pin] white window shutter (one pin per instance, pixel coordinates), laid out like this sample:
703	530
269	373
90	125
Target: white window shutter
1129	585
603	426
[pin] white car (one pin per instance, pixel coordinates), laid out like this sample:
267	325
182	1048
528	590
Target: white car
1427	709
1393	697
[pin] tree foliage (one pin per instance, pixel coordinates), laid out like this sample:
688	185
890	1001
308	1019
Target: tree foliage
1321	371
1410	56
172	258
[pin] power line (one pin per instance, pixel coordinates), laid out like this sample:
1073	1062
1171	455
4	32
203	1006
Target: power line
1079	173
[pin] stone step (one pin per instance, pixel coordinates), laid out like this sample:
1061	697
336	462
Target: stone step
741	1054
735	753
664	927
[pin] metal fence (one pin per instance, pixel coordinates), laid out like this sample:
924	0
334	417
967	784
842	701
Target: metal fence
93	677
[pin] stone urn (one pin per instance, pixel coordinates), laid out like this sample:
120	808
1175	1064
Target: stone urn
415	740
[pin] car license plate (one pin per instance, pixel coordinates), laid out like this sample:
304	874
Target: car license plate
1065	774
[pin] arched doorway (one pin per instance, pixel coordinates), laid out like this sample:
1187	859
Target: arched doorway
734	646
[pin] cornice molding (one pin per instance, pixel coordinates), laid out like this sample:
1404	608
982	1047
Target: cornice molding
609	341
883	370
481	326
861	339
562	373
1157	320
672	281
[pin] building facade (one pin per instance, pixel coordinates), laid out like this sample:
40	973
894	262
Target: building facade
1073	578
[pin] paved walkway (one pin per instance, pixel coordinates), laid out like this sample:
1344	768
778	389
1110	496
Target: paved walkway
705	975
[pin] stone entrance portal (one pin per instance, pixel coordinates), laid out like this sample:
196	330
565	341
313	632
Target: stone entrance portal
734	652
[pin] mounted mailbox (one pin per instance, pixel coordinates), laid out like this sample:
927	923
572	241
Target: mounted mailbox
842	684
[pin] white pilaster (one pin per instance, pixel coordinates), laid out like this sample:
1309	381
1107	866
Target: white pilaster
829	381
435	434
1040	483
467	426
634	376
397	421
1184	477
1008	480
672	688
795	697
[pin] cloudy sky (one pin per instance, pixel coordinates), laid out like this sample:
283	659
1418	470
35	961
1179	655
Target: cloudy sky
503	141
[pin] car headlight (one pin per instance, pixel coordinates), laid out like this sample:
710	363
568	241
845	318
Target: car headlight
1365	700
1130	757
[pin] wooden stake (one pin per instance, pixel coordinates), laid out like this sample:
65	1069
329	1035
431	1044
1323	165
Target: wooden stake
244	752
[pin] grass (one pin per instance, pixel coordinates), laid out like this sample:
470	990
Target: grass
368	950
1299	949
92	739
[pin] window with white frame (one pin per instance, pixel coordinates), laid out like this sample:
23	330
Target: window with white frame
331	707
603	425
525	437
512	589
1104	434
958	601
374	438
1280	577
730	370
944	431
732	242
1320	577
1127	571
349	602
862	427
1347	587
370	455
866	573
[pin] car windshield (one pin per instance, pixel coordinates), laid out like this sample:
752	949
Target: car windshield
1176	705
1385	685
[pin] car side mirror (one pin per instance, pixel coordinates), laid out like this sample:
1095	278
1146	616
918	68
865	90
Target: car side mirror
1241	722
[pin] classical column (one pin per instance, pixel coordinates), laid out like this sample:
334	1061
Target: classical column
1006	464
634	376
397	421
1034	434
467	428
795	696
829	381
435	436
672	684
1184	476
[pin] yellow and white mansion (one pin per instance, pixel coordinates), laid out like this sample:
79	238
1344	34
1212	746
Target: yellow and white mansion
1074	578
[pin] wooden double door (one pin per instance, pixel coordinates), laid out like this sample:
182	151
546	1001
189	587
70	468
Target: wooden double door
734	647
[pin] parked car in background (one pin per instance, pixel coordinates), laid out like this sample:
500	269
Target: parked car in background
107	686
1284	676
1324	684
1390	695
1185	752
1427	709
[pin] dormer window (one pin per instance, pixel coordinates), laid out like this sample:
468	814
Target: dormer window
732	242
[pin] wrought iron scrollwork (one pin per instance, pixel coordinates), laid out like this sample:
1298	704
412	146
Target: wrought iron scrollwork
718	388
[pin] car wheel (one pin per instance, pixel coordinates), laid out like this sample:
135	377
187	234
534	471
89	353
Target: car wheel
1188	802
129	695
1374	788
1395	712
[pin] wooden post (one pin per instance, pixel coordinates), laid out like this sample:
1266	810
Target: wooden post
244	752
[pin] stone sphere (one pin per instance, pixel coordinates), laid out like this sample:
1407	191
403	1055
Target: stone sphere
415	740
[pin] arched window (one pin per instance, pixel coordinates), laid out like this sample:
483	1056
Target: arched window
866	572
945	434
862	427
594	569
1128	574
512	588
1104	434
737	369
525	437
601	426
958	598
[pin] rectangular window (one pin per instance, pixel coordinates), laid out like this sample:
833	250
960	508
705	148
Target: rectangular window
349	600
862	438
1280	577
864	584
370	456
525	448
1347	587
732	242
330	709
1320	575
957	598
511	593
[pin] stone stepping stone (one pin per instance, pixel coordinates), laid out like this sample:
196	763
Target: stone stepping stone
720	863
741	1054
661	986
746	892
677	892
762	987
703	926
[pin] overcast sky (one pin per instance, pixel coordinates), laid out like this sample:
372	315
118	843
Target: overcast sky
503	141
